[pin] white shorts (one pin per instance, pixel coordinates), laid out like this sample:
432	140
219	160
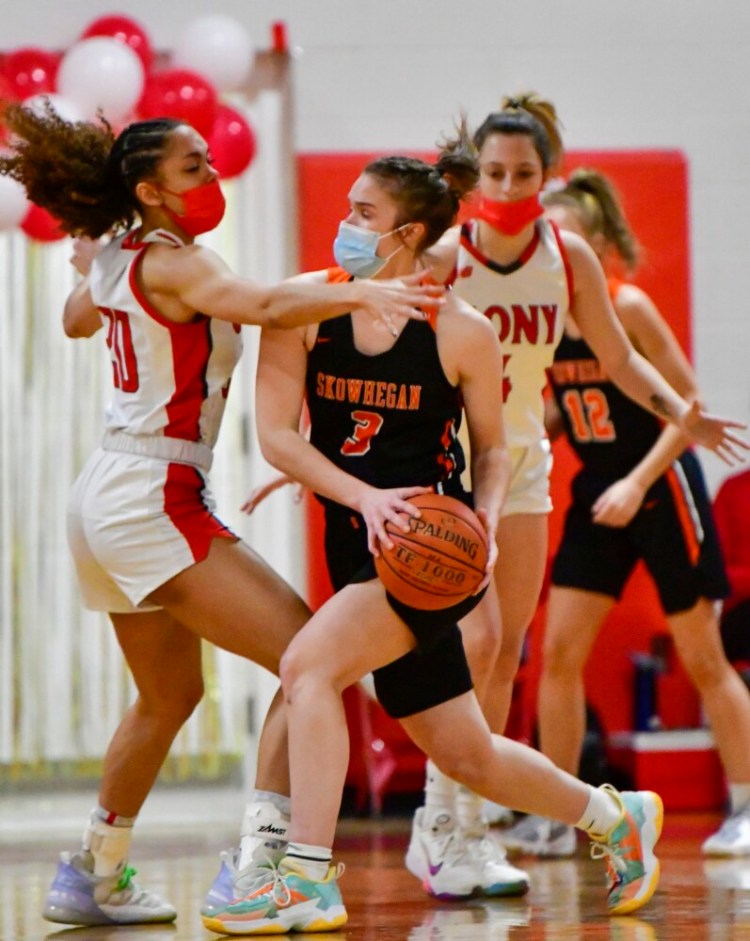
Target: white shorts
134	522
529	482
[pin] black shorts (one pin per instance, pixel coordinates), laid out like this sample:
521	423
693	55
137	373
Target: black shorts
735	631
407	685
673	533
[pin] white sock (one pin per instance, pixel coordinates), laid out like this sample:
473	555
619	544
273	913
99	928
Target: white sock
469	812
739	796
440	792
602	813
312	860
265	826
108	843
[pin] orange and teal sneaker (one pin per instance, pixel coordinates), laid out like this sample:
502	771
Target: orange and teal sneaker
632	867
286	901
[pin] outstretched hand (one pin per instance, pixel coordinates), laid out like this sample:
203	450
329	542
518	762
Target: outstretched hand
397	298
715	434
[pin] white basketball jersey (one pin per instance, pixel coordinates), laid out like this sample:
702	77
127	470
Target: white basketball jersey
527	303
170	379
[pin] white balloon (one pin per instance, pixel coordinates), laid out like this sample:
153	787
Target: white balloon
102	73
13	203
217	47
65	108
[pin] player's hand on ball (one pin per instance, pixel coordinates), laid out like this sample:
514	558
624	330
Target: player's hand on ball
439	558
379	507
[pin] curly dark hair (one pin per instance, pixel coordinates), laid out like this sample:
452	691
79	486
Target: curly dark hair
430	193
79	171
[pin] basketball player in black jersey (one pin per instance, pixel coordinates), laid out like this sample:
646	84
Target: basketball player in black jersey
384	414
640	495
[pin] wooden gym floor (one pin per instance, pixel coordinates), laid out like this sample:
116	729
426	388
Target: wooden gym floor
181	832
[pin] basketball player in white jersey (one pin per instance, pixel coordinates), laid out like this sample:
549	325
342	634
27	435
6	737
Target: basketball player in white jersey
147	546
525	276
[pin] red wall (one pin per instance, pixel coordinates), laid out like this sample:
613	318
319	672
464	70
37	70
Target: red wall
653	186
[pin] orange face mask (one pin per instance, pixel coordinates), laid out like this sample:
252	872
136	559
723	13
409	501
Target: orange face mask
510	218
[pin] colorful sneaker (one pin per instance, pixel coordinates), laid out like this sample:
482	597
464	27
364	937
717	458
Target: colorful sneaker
632	867
496	876
539	836
733	836
438	856
287	900
78	897
269	827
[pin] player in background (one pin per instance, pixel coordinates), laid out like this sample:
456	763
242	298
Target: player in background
148	548
640	495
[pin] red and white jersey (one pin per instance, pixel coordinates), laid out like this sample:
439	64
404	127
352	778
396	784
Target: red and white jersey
527	303
171	379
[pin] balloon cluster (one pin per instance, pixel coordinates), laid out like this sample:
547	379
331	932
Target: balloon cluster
110	70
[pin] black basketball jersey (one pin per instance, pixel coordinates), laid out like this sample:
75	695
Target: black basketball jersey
391	419
609	432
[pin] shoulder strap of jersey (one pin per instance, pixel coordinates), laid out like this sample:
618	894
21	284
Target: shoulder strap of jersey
564	255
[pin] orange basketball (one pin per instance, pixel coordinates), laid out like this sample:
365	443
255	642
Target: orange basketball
442	558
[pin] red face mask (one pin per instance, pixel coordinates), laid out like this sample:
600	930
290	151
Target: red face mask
510	218
203	208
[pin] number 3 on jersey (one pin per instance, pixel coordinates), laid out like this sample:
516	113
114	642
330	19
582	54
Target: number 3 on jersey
366	426
588	412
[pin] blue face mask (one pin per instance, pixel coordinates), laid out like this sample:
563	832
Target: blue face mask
356	250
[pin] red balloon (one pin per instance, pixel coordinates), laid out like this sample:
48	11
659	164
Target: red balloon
31	71
231	142
6	95
181	94
39	225
7	92
125	30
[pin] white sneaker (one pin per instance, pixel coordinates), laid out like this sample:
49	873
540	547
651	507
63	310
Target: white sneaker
496	875
497	815
733	836
539	836
438	857
452	864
